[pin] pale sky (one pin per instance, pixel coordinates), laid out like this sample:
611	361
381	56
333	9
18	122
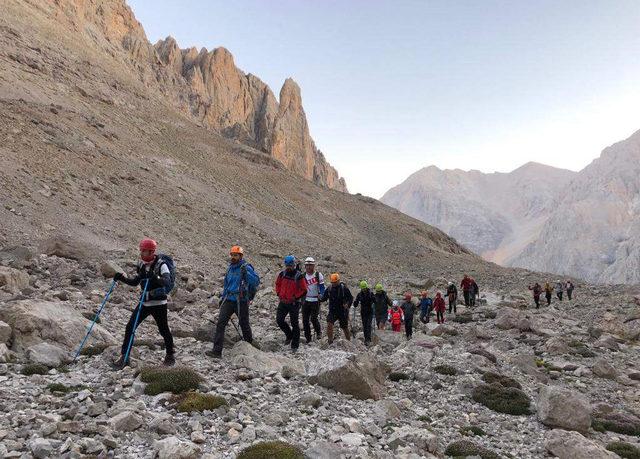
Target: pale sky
392	86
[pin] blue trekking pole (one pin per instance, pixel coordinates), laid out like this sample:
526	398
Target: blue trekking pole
95	319
135	323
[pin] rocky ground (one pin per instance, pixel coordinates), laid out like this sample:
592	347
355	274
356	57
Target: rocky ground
576	365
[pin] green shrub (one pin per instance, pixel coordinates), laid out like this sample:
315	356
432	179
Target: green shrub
59	387
424	418
618	422
445	370
398	376
194	401
464	448
463	318
271	450
490	314
34	369
624	450
176	380
96	349
475	430
508	400
505	381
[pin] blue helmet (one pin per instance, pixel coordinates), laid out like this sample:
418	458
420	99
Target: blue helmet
289	260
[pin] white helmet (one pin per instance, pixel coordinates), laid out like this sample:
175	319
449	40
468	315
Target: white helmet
395	303
309	261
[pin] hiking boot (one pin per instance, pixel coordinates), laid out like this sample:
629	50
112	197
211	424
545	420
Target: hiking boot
255	345
120	363
169	360
288	341
213	354
318	336
294	350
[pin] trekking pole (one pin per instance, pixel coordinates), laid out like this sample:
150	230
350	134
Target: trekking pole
95	319
135	322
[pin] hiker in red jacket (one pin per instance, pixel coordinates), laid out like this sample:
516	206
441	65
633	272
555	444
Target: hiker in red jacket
396	317
537	291
467	289
291	289
440	306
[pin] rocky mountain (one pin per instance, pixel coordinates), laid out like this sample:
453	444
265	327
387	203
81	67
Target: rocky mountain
495	215
204	84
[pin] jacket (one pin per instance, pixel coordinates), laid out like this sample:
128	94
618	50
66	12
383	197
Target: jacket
339	297
239	273
291	286
452	290
367	300
158	284
383	303
425	306
408	308
439	305
396	316
466	284
537	290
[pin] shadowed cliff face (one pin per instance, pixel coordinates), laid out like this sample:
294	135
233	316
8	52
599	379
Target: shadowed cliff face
207	86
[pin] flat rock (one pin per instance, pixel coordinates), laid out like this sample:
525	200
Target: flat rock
564	408
572	445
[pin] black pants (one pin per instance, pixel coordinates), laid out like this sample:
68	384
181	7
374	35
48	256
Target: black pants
548	297
159	314
292	332
310	313
440	316
228	309
452	304
367	319
467	298
559	295
408	327
536	300
569	292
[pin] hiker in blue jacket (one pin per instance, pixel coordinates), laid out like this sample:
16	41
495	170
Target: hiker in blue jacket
426	303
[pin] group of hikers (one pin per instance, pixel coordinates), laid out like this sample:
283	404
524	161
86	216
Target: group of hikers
548	289
297	290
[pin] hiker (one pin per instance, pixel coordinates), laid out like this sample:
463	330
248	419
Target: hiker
475	291
291	288
240	284
366	299
426	304
340	299
537	291
452	295
548	291
383	303
559	289
466	287
154	272
440	307
408	308
569	287
396	316
311	305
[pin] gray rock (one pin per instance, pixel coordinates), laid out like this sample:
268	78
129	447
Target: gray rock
5	354
325	450
127	421
604	369
110	268
572	445
174	448
5	332
13	280
564	408
422	438
47	354
41	448
244	355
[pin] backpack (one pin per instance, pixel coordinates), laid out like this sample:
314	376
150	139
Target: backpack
166	260
251	290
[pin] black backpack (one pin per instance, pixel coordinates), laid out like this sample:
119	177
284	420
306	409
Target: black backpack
164	259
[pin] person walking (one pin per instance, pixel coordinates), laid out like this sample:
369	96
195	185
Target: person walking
466	287
440	307
340	300
569	288
366	300
291	288
537	291
382	305
475	291
452	295
311	305
408	308
154	275
548	292
559	290
240	284
396	316
426	303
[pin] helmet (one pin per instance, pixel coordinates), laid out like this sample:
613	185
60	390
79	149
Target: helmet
309	261
335	277
236	249
407	296
379	287
450	283
424	293
363	285
395	303
148	244
289	260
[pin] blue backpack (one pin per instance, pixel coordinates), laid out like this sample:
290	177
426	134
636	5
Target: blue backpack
166	260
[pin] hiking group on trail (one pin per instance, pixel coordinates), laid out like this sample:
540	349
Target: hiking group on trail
297	291
559	288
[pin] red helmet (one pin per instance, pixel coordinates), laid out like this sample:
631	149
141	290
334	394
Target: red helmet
148	244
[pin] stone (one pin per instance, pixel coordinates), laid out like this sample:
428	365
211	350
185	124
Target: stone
352	439
13	280
361	375
66	247
385	410
572	445
110	268
607	341
310	399
604	369
556	346
564	408
163	424
244	355
47	354
5	332
173	448
325	450
5	353
127	421
510	318
422	438
41	448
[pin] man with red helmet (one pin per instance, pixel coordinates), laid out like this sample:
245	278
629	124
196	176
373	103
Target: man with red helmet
154	271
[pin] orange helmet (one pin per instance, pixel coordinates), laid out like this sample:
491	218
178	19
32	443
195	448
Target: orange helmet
335	277
236	249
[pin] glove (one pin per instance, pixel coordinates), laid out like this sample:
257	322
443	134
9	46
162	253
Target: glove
118	277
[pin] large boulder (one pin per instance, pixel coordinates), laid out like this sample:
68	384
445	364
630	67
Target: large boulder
47	354
564	408
174	448
360	375
572	445
127	421
604	369
65	247
510	318
36	321
5	332
13	280
244	355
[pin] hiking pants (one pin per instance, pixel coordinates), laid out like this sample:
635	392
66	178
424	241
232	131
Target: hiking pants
559	295
452	304
536	299
367	320
440	316
159	314
569	292
396	327
310	313
408	327
292	332
228	309
548	297
467	298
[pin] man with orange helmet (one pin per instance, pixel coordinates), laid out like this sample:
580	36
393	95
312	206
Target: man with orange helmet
340	299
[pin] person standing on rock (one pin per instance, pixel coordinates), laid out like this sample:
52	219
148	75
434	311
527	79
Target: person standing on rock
311	305
569	287
559	289
396	317
548	291
383	303
440	307
154	272
291	289
467	287
452	295
537	291
240	284
366	300
408	308
340	300
426	304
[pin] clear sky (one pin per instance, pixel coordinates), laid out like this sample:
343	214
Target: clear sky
392	86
